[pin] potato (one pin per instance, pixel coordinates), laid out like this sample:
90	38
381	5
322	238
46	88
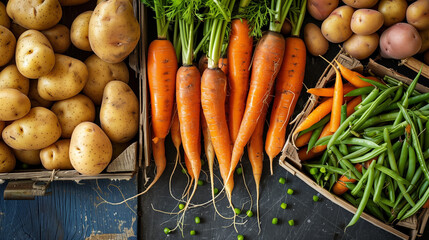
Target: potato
90	149
119	113
72	2
418	14
17	29
79	31
34	14
361	46
10	77
314	40
13	104
366	21
425	41
393	11
360	3
100	73
59	37
7	159
400	41
38	129
30	157
7	45
67	79
34	54
4	18
113	30
320	9
72	111
336	28
35	99
56	156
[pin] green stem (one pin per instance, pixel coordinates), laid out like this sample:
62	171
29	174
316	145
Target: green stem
298	24
281	10
242	5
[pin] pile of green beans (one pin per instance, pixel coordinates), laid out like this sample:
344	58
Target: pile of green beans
389	135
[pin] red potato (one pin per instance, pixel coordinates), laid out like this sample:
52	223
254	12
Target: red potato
418	14
360	3
400	41
320	9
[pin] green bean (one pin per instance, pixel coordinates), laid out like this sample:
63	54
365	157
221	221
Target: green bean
357	153
343	148
392	174
332	180
398	93
332	169
411	163
361	142
418	205
354	148
375	83
314	136
416	143
387	117
426	107
350	199
360	184
374	210
327	176
323	141
376	131
423	188
426	154
397	82
365	197
359	91
403	158
390	189
381	108
345	164
412	101
387	202
403	211
383	96
320	123
421	131
374	153
426	146
371	97
380	182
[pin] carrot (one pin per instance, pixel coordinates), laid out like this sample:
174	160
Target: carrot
158	151
223	65
340	187
304	156
175	133
202	63
303	140
239	55
329	92
318	113
337	102
352	76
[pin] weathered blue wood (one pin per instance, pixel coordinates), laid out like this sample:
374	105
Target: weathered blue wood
72	211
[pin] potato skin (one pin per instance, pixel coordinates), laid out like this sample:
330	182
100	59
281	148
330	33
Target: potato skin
33	14
113	30
13	104
320	9
100	73
400	41
79	31
10	77
90	149
59	37
7	45
361	46
336	28
393	11
67	79
366	21
418	14
30	157
72	111
7	159
56	156
314	40
4	18
35	99
360	3
38	129
34	54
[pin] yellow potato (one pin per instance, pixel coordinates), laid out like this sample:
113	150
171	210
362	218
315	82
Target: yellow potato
56	156
4	18
72	111
100	73
314	41
366	21
90	149
17	29
30	157
361	46
67	79
418	14
79	31
336	28
119	113
7	159
59	37
113	30
35	14
38	129
425	40
10	77
393	11
72	2
34	54
360	3
35	99
13	104
7	45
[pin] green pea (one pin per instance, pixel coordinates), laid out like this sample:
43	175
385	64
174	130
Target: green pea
197	220
315	198
314	171
323	170
215	191
181	206
237	211
167	230
282	180
291	222
283	205
290	191
192	232
239	170
249	213
275	221
200	182
240	237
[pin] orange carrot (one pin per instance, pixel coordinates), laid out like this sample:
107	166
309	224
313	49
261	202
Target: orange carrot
175	133
158	151
202	63
303	139
287	91
337	102
329	92
340	186
267	60
352	76
223	65
240	56
318	113
303	155
161	69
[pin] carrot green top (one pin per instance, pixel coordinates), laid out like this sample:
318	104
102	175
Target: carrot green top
278	13
161	22
297	15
